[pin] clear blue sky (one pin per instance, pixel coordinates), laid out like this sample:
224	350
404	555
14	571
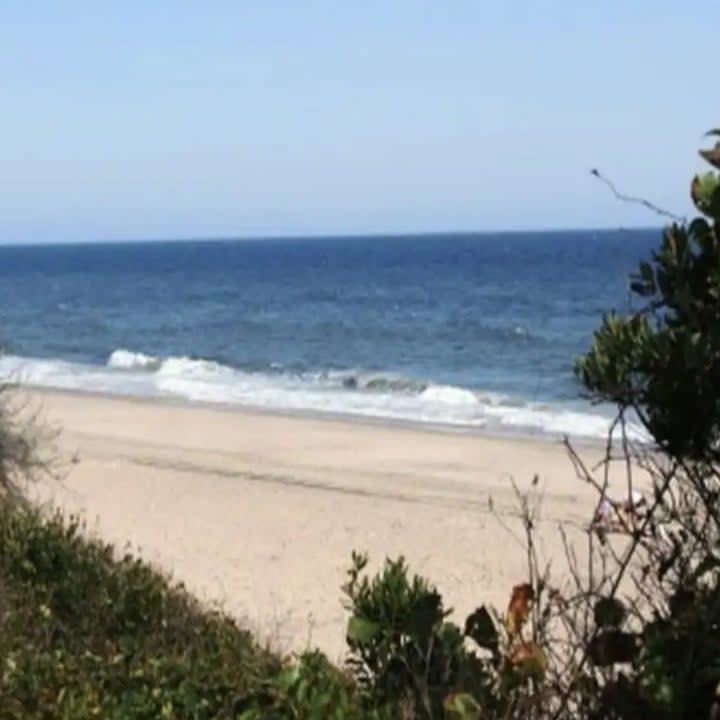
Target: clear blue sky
244	118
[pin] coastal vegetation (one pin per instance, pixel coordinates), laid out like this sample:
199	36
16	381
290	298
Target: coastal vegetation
633	632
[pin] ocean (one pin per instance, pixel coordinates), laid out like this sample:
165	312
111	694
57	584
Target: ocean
473	331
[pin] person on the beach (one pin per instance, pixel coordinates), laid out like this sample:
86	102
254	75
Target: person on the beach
619	516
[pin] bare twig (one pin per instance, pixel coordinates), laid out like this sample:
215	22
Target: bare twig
636	200
26	446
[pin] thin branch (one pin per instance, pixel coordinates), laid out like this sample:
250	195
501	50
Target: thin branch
636	200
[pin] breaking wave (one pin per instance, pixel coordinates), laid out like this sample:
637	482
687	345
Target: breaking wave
127	360
359	393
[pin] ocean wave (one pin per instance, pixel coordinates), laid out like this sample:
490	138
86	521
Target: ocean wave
193	367
378	382
366	394
128	360
182	366
449	395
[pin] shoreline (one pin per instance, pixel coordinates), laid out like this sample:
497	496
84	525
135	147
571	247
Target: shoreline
259	512
377	421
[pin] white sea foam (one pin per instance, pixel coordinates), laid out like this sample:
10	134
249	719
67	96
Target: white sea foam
192	367
127	360
167	367
449	395
353	393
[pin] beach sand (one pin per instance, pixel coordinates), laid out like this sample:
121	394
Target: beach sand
260	512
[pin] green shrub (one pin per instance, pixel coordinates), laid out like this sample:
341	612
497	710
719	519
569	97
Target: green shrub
83	635
312	688
654	653
404	652
663	361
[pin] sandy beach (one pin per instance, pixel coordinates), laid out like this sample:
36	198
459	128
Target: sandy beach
259	513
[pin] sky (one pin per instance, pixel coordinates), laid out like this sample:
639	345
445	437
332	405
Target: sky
243	118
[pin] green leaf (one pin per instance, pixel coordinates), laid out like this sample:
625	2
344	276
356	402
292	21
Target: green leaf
643	282
702	191
425	614
288	676
641	288
646	272
699	227
609	613
480	627
361	630
528	659
712	156
462	706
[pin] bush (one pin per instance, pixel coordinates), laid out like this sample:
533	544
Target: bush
25	447
663	361
662	364
312	688
405	653
83	635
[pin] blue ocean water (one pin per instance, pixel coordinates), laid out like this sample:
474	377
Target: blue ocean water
463	330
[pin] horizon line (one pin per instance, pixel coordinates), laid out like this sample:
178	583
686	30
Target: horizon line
280	237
